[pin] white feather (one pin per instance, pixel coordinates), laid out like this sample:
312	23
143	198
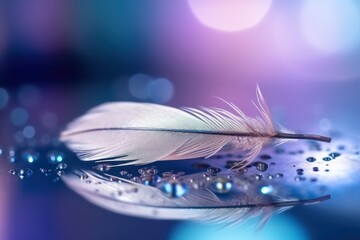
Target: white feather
150	202
143	133
136	199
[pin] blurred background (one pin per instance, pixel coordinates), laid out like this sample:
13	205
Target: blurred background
60	58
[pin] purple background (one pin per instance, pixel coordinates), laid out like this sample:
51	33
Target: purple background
63	57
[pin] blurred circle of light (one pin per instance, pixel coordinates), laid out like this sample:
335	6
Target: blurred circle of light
29	131
4	98
279	227
230	15
19	116
266	189
331	25
160	90
138	85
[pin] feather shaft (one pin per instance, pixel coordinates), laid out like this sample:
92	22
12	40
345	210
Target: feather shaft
236	134
303	136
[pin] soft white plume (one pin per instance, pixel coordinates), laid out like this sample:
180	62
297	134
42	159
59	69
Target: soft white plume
143	133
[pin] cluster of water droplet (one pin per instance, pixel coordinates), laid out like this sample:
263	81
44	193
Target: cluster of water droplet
26	162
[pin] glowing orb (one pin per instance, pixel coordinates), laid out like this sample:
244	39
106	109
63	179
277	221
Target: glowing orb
331	25
230	15
279	227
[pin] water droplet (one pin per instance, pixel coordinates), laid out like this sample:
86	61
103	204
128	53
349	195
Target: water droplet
60	173
266	189
315	169
62	166
12	159
178	174
221	184
241	170
30	156
279	175
313	179
213	170
103	167
311	159
279	150
300	171
136	179
26	172
257	176
315	146
132	190
234	164
341	147
55	157
12	171
261	166
265	157
88	181
46	172
11	152
334	154
123	173
269	176
151	180
200	166
167	174
327	170
83	176
174	188
147	171
299	179
327	159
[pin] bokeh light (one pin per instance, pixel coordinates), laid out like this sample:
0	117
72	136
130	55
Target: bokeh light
160	90
308	43
19	116
230	15
156	90
331	25
279	227
138	85
29	131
